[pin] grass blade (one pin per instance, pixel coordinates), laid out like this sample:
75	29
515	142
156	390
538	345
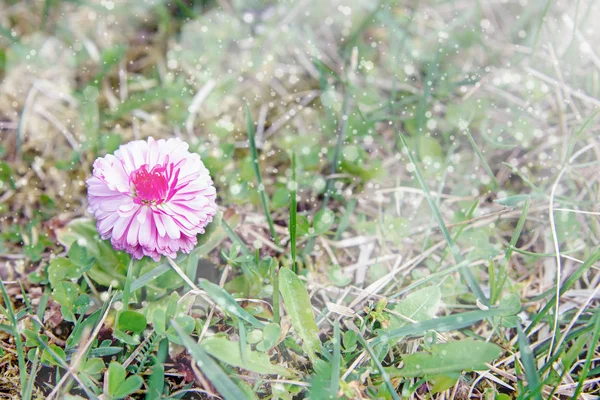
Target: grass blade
465	273
593	347
275	280
569	282
215	374
235	238
345	220
341	134
531	372
228	303
255	165
293	211
18	341
479	153
34	366
496	290
336	359
443	324
382	370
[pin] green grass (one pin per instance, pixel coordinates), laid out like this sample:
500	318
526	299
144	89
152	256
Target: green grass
398	184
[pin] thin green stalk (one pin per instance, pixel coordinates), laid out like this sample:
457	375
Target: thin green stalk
34	366
255	166
496	291
126	292
293	210
464	272
275	279
479	153
10	313
235	238
341	134
345	220
382	371
336	361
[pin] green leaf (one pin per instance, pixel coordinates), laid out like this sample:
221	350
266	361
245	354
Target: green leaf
49	359
6	175
298	306
79	256
228	303
156	382
132	321
110	142
418	306
215	374
61	269
230	353
65	293
118	386
130	385
125	338
511	304
324	220
110	266
116	376
513	201
280	198
444	382
271	334
93	366
448	358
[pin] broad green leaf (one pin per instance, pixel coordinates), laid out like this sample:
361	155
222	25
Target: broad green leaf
118	386
186	323
61	269
125	337
230	353
93	366
49	359
444	382
65	293
156	382
6	174
511	305
132	321
298	306
324	220
116	376
224	385
228	303
130	385
271	334
418	306
448	358
79	256
110	266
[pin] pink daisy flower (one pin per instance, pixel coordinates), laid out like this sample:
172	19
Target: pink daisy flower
152	198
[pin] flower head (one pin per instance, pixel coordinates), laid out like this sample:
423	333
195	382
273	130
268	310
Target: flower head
151	198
